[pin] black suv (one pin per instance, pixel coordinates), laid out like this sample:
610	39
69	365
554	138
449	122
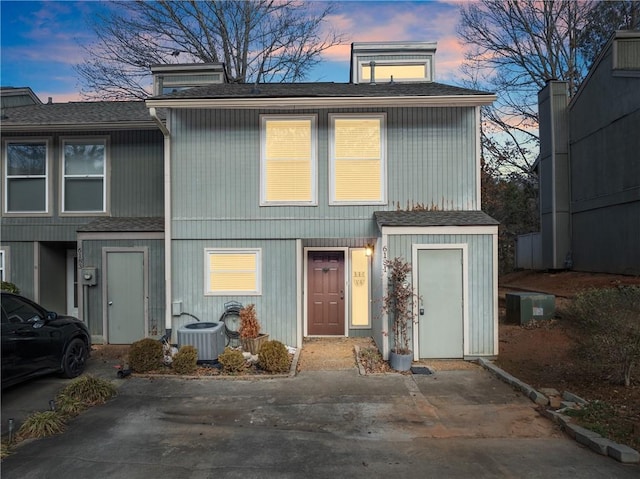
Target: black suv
36	341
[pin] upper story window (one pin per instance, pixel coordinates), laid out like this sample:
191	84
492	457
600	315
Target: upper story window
357	159
288	160
232	271
26	176
84	167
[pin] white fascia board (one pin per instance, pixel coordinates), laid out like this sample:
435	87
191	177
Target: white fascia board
440	230
147	125
323	102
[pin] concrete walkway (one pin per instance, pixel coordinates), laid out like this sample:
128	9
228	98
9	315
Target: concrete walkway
319	424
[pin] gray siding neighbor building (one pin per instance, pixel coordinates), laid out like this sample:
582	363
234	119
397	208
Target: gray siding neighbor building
589	165
77	179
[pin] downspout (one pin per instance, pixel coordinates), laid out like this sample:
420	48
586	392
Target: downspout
167	220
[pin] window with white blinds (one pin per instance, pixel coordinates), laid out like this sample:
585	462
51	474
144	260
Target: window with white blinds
357	157
232	271
288	160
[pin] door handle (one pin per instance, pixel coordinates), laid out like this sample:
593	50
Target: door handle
110	303
342	294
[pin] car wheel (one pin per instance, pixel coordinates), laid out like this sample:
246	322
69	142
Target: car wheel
75	358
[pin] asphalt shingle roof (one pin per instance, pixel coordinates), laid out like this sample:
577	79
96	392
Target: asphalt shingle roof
320	90
78	113
433	218
119	225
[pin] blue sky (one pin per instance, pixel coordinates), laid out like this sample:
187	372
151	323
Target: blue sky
41	41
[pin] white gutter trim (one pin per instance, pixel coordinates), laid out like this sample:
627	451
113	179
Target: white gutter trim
167	219
163	128
123	125
319	102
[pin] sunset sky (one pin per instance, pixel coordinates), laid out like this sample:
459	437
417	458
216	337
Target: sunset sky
41	41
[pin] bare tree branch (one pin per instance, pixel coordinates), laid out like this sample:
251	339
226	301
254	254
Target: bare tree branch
514	48
259	40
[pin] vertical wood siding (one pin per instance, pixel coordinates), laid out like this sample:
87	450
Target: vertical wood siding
276	306
431	161
20	261
480	287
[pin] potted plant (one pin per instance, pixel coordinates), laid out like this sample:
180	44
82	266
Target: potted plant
250	336
398	303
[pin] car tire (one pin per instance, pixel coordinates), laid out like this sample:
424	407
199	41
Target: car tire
75	358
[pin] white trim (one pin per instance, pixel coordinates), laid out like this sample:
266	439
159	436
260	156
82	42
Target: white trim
324	102
415	248
36	271
345	251
440	230
313	119
72	287
5	270
382	117
168	278
478	170
257	252
496	338
384	316
106	186
300	292
121	235
48	210
127	126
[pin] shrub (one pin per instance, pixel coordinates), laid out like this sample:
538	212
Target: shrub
610	323
274	357
41	424
249	325
9	287
232	361
145	355
87	391
5	449
68	405
185	361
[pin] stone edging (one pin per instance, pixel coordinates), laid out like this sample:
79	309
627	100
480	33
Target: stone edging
592	440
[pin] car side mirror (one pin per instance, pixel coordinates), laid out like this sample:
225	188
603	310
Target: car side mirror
51	315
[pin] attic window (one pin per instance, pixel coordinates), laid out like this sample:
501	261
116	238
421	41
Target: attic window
173	83
400	71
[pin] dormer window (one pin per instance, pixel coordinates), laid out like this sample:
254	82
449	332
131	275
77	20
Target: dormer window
400	71
172	78
378	62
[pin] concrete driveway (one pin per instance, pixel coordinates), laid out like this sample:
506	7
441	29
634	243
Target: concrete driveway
319	424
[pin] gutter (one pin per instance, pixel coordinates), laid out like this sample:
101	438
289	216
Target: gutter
293	103
167	220
123	125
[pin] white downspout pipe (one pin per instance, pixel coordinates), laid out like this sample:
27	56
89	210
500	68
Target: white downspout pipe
167	220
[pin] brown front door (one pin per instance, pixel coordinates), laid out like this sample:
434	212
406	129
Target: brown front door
325	304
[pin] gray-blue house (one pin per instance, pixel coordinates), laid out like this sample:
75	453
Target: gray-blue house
137	216
292	196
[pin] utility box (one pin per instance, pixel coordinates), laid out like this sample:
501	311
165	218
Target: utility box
529	306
